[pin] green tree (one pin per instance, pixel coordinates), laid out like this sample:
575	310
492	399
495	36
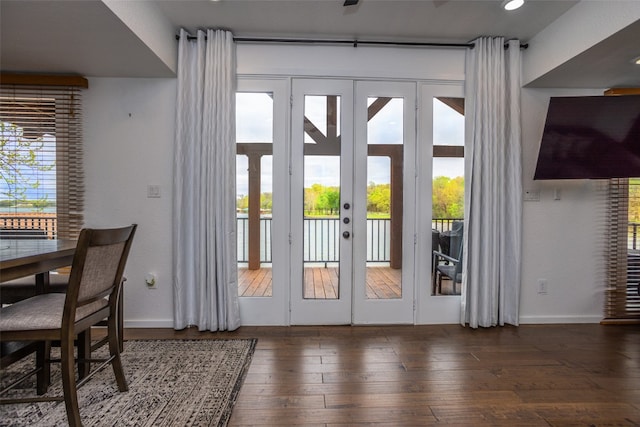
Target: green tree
266	201
448	197
329	200
379	198
242	203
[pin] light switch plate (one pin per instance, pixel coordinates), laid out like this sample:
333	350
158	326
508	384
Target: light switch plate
531	196
153	191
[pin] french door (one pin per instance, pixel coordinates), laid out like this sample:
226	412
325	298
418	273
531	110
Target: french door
352	202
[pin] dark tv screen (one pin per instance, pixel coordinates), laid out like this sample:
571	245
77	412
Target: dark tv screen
590	137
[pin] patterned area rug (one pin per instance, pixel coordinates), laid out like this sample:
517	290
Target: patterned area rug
171	383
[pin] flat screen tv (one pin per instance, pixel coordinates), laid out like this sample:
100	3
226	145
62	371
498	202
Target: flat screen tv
590	137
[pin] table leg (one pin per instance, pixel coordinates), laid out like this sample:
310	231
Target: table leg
42	283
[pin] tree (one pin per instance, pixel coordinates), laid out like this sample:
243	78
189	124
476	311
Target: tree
242	203
18	162
379	198
448	197
266	201
329	200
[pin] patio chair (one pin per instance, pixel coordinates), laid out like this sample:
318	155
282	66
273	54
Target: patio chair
92	295
449	265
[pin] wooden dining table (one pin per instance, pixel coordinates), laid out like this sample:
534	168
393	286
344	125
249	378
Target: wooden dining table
26	257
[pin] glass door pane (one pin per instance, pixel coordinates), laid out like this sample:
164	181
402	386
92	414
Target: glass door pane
447	194
321	223
385	118
254	175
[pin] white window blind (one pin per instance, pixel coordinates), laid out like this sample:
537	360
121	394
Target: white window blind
622	302
41	182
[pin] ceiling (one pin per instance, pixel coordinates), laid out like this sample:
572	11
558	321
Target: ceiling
88	38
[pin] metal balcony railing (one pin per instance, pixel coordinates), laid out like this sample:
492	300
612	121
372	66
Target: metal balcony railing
322	238
321	235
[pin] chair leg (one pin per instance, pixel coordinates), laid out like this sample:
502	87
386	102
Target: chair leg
69	380
120	317
43	378
433	275
84	353
114	350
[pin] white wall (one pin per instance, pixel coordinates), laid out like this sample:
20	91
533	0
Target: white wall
129	127
128	134
560	237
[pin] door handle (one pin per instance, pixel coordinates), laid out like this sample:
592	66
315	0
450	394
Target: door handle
346	234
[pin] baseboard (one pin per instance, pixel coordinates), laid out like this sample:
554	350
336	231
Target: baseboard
532	320
524	320
148	323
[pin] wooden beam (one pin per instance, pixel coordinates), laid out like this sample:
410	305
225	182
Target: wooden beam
456	104
315	133
396	155
262	148
448	151
254	211
623	91
376	106
43	80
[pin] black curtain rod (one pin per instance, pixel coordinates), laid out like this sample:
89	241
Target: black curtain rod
355	42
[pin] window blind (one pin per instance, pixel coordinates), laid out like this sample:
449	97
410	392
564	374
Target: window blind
42	182
622	300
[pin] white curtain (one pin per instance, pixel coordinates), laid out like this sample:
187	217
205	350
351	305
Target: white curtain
204	239
493	200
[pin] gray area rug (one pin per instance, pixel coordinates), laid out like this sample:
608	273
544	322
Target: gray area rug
171	383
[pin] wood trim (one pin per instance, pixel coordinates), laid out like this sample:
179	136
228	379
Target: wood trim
620	321
448	151
623	91
43	80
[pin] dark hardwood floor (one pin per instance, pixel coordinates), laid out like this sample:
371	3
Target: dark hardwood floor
532	375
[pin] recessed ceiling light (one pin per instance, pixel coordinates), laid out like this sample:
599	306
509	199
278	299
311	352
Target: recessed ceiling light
512	4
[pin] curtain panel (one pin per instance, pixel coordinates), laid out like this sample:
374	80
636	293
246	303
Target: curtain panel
493	199
204	239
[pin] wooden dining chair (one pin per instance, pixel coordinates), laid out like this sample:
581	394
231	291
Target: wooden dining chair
92	295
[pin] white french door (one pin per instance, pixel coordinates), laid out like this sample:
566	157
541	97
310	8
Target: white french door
352	202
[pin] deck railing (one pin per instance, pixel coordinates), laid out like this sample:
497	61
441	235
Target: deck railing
28	225
321	235
322	238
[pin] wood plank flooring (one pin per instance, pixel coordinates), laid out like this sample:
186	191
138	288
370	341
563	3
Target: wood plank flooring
532	375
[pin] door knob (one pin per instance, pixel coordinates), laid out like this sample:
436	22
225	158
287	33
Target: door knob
346	234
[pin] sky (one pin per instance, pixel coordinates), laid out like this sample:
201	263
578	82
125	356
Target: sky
254	124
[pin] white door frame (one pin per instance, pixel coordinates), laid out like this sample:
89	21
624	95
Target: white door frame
396	310
441	309
326	311
274	310
353	307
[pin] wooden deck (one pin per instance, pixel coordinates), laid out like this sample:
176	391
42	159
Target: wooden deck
322	283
